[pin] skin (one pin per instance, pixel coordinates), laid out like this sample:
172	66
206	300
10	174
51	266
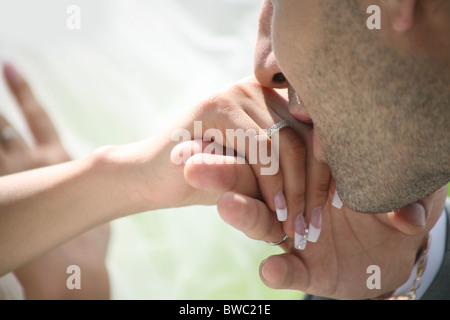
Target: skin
335	265
45	277
138	188
116	181
120	180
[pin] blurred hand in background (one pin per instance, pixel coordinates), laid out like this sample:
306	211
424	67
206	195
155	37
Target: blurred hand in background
45	277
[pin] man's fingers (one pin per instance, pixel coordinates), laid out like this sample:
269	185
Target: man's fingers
419	216
210	172
285	271
38	121
250	216
410	220
183	151
205	168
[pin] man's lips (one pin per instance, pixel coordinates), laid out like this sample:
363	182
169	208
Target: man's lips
301	116
296	106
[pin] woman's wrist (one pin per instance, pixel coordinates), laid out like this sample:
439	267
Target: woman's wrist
121	170
54	204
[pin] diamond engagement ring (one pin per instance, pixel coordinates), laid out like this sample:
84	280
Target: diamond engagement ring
277	127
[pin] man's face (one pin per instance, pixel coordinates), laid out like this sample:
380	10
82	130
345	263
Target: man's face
354	88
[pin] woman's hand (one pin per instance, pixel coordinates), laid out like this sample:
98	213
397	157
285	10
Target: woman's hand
251	108
45	277
15	154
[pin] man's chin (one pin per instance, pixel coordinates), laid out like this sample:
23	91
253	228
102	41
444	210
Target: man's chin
376	202
369	205
369	199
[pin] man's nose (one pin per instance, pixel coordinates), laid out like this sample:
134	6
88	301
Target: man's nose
267	71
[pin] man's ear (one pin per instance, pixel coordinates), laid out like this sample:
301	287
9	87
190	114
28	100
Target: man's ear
401	14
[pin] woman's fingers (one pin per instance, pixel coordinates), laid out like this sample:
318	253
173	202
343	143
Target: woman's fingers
292	161
238	119
38	121
241	133
243	114
318	178
15	154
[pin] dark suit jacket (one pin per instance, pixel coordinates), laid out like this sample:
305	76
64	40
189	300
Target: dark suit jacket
440	287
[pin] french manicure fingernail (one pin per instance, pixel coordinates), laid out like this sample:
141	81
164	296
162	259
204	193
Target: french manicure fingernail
315	225
280	206
301	233
337	202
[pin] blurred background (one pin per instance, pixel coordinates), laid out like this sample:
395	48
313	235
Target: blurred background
133	68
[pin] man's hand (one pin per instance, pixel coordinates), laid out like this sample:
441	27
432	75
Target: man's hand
336	265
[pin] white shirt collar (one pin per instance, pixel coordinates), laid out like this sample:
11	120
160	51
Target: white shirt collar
436	254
